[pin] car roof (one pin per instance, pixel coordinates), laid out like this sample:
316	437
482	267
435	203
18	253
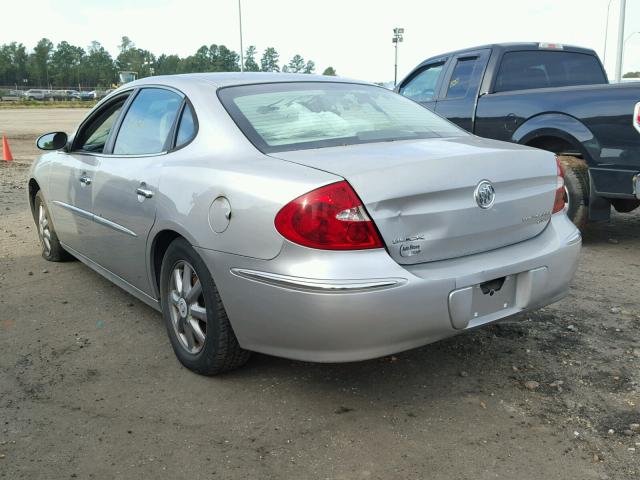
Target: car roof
513	46
225	79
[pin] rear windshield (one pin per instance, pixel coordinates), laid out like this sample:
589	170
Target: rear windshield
302	115
543	69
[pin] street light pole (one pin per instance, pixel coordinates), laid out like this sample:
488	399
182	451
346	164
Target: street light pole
623	6
606	35
241	49
397	38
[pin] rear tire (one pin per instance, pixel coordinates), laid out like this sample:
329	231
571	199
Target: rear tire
196	321
51	248
576	180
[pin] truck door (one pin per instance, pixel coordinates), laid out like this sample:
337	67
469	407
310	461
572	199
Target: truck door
459	90
424	83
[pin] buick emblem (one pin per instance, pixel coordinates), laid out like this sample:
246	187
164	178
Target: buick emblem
485	194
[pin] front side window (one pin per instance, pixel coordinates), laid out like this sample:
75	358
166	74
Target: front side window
543	69
148	122
302	115
93	136
422	87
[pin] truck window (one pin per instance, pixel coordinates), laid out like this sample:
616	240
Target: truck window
542	69
422	87
461	77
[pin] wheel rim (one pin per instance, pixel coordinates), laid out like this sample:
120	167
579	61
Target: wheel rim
187	307
44	230
567	199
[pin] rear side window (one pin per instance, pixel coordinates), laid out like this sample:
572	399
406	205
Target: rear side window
148	122
422	87
187	127
544	69
462	77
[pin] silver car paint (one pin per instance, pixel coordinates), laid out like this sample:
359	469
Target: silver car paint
305	316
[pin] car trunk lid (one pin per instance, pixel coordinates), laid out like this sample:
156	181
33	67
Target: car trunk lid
421	194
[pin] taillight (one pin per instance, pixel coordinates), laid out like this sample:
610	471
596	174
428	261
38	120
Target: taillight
330	218
559	202
636	117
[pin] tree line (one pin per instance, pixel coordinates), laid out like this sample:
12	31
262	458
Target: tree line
66	65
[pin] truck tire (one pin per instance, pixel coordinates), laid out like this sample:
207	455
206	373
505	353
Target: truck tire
576	181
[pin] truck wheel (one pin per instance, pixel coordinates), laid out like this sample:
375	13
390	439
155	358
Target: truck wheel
576	181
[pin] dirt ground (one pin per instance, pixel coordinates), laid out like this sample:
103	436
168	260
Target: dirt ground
90	388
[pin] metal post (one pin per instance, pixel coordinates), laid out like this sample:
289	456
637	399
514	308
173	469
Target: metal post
623	6
606	35
397	38
395	68
241	49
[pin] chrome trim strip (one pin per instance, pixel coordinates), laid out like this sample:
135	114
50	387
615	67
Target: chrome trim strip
96	218
76	210
318	285
113	225
636	185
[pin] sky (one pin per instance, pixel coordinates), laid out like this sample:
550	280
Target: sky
353	36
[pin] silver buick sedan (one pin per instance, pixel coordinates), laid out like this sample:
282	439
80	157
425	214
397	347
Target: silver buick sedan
306	217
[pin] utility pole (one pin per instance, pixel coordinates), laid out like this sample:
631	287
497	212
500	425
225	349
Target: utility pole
619	53
241	49
397	38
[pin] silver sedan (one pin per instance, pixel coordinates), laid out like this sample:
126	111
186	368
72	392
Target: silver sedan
306	217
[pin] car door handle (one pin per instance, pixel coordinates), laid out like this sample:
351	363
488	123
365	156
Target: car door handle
85	180
144	192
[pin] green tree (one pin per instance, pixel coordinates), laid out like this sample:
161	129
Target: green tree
250	64
39	61
309	67
13	64
269	60
125	44
296	65
65	65
97	67
135	59
631	75
330	71
167	64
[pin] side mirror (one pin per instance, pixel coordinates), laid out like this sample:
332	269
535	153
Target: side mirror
52	141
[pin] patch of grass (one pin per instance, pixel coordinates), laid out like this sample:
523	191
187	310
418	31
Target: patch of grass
37	104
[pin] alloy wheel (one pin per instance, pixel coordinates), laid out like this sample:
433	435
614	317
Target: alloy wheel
187	308
44	230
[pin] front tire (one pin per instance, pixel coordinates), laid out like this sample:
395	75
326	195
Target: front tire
51	248
196	321
576	180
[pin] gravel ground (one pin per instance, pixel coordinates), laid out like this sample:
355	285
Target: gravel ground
89	386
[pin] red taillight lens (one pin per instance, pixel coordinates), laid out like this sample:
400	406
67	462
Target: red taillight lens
636	117
559	202
330	218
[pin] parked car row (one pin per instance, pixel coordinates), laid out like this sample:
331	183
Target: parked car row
52	95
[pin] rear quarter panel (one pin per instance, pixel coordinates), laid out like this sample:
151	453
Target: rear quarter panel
222	162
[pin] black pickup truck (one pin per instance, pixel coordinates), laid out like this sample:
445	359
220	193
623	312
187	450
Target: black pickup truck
547	96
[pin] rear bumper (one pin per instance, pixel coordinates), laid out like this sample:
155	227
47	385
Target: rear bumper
345	306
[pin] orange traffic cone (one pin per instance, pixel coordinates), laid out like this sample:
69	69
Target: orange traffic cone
6	151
